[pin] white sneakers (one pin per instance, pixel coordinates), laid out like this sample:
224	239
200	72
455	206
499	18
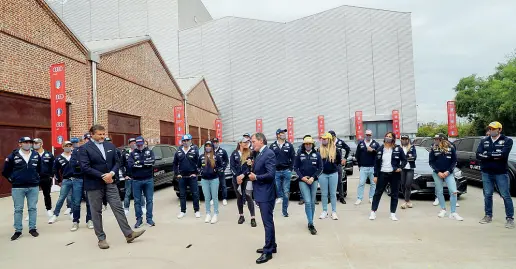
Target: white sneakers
144	210
68	211
126	211
50	213
279	200
181	215
358	202
323	215
225	202
75	227
27	218
211	202
457	204
442	213
456	216
334	216
393	217
436	202
198	214
52	219
90	224
207	219
214	219
372	216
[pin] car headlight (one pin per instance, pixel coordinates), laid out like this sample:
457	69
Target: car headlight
416	175
457	174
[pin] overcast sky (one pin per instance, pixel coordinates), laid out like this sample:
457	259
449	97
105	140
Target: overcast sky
452	38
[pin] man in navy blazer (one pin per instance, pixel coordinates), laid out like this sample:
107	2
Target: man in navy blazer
99	164
264	171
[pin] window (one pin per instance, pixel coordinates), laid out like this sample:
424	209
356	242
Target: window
456	143
427	143
475	145
466	145
167	153
157	152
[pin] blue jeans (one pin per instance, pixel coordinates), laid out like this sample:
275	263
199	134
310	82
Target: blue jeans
19	195
147	187
329	184
66	189
77	190
184	182
452	189
282	180
210	189
309	194
502	181
365	173
128	192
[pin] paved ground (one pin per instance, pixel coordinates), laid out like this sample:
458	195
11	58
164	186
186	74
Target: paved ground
418	240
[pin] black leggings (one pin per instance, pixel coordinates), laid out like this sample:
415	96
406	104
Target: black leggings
240	201
393	179
46	185
407	177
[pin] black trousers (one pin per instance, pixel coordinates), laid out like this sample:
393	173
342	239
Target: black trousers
407	177
246	194
393	179
342	187
46	185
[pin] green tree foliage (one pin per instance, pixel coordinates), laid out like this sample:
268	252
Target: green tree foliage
431	129
493	98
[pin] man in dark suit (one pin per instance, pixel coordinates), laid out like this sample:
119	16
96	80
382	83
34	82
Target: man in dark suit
264	191
99	163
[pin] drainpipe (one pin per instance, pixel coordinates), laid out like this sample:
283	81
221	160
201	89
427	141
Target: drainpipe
94	58
187	129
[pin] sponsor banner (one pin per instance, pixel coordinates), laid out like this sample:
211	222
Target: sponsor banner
320	125
290	129
58	105
452	119
396	123
259	126
359	125
218	129
179	123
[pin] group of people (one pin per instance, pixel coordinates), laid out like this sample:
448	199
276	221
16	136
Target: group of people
261	175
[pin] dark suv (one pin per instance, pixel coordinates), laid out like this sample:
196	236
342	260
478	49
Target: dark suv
470	166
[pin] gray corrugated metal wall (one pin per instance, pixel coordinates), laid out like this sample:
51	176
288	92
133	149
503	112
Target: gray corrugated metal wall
332	63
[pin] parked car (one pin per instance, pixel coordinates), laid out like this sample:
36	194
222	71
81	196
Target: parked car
229	147
163	172
426	143
423	181
468	163
418	140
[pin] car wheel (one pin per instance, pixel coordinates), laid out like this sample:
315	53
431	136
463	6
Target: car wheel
512	183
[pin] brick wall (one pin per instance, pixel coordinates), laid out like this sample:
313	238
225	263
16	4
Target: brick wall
201	110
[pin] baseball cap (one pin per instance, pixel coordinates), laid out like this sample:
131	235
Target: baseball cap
404	136
495	125
308	140
38	140
327	136
215	140
186	137
74	140
332	133
369	132
279	131
86	136
439	136
140	141
244	140
208	142
247	134
25	139
67	143
131	140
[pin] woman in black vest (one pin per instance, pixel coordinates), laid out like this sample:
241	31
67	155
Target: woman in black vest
407	173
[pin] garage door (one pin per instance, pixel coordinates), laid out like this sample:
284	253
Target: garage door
196	136
122	127
22	116
166	133
379	128
204	135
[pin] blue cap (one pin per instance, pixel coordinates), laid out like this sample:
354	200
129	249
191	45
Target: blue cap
186	137
140	141
279	131
247	134
74	140
332	133
25	139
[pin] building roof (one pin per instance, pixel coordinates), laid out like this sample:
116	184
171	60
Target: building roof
109	45
187	84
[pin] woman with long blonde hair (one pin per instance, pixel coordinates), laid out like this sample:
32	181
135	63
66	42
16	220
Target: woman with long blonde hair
209	164
328	180
241	161
407	173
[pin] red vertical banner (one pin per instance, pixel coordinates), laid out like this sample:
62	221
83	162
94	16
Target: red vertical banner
320	125
179	123
452	119
290	129
58	105
359	125
396	123
259	126
218	129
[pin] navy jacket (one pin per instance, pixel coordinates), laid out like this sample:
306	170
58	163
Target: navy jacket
341	145
140	164
443	161
75	163
237	168
284	156
308	164
493	156
20	173
94	165
332	167
364	157
63	169
223	155
124	163
411	157
398	159
185	164
47	164
206	171
264	167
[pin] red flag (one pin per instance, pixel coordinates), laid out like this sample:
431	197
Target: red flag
452	119
179	123
259	126
359	125
218	129
320	125
396	123
58	105
290	129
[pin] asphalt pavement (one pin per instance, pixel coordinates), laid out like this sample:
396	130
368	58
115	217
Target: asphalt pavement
418	240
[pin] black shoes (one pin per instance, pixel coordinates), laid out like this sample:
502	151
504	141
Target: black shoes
241	220
34	232
301	202
285	215
342	200
264	258
260	250
253	223
15	236
316	202
312	229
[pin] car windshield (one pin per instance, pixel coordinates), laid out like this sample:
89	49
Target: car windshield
512	154
422	154
229	147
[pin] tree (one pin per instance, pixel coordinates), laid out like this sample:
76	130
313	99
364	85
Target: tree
432	128
493	98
